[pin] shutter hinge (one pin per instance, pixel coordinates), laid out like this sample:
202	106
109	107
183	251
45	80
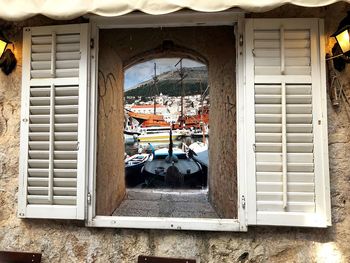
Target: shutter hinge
241	40
253	52
243	201
254	147
89	199
92	43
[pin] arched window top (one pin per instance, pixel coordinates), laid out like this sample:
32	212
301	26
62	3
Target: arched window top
144	71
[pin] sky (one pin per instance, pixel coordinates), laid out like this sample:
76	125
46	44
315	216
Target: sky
145	71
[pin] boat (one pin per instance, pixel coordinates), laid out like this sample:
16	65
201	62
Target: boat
130	139
157	134
203	131
198	147
173	167
155	123
150	119
158	137
136	159
133	166
202	157
198	151
186	121
145	116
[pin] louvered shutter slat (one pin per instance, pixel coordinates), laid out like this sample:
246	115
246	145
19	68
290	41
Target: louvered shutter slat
284	83
292	177
277	196
292	187
67	54
276	206
64	182
56	78
57	200
58	154
46	56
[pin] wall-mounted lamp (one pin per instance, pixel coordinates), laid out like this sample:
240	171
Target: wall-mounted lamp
343	39
341	49
7	58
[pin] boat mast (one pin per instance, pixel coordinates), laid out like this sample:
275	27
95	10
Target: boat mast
155	80
202	99
182	77
201	123
203	95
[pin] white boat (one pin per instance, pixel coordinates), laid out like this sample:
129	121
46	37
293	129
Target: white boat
201	153
133	166
136	159
157	134
198	147
199	132
158	137
129	139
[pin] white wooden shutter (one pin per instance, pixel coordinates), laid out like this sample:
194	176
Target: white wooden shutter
287	123
53	122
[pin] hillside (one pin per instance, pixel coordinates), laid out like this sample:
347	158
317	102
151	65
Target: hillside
168	84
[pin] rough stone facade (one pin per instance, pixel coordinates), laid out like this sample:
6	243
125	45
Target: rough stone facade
70	241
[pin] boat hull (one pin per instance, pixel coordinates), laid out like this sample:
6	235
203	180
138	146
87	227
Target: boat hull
190	171
133	174
157	137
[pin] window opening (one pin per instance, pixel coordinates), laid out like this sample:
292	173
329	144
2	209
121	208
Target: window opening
153	123
168	108
166	136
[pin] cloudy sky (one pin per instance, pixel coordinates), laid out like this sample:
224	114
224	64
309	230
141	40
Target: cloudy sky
145	71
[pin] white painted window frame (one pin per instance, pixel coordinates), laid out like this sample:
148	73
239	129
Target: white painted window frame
179	19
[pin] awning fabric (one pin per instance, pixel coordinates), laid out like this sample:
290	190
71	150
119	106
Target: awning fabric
69	9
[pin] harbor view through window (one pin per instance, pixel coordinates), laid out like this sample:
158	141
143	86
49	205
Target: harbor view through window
157	153
166	124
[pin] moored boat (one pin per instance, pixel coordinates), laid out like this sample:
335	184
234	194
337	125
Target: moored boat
129	139
157	134
201	153
184	170
133	166
158	137
173	167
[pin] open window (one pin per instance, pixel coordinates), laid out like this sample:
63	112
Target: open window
268	158
173	182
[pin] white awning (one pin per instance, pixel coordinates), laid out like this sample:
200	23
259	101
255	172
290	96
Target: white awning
68	9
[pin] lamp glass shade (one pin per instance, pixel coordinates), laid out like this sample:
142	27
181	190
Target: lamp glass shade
343	39
3	45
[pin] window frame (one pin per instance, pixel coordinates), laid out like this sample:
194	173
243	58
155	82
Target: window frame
179	19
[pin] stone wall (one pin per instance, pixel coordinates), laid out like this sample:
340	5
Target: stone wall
70	241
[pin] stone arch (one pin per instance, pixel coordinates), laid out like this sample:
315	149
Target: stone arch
166	50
